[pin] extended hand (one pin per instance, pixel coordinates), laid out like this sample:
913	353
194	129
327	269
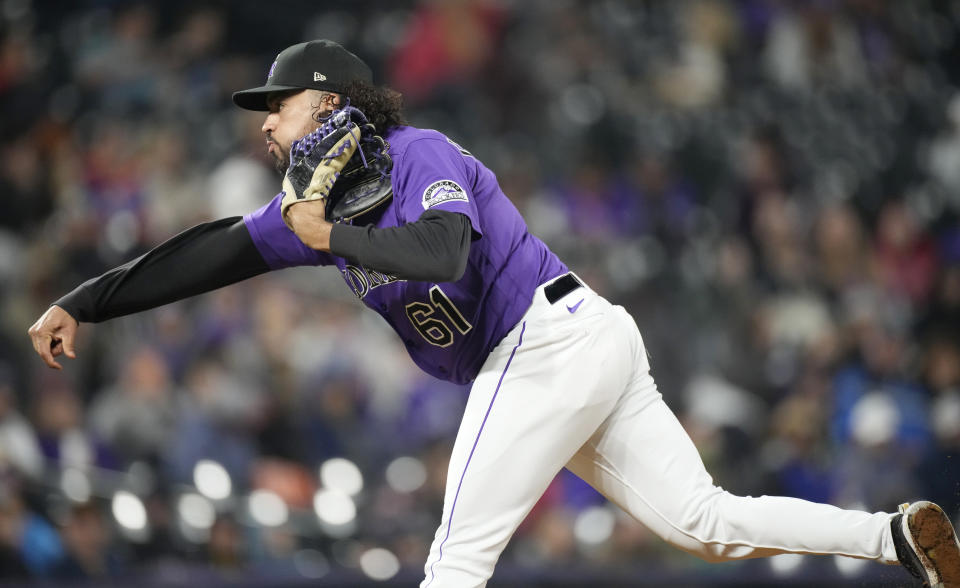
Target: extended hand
53	334
308	220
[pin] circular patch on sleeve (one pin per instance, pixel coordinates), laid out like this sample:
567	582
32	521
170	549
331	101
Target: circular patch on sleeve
443	191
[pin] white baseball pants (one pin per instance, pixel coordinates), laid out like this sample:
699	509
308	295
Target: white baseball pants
574	389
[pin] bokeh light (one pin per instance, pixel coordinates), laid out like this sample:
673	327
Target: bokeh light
342	475
594	525
75	484
406	474
212	479
786	564
379	564
850	567
130	514
311	563
334	507
196	511
267	508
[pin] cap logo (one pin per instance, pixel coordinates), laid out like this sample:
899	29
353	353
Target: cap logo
272	68
319	77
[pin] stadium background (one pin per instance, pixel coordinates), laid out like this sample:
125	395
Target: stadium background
770	187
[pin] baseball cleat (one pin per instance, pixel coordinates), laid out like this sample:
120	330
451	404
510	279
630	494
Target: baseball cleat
927	544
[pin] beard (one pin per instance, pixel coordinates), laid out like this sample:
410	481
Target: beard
280	163
281	155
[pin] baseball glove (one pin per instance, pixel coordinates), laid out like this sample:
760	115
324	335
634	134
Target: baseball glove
344	163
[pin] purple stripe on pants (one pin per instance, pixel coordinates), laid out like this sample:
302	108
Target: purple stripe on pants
474	448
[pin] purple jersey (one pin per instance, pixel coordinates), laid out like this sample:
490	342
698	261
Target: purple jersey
449	328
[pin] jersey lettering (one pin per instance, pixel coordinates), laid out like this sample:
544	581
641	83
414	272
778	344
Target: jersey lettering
361	280
459	148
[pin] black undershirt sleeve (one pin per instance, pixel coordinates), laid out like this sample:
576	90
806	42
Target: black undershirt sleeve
434	248
212	255
200	259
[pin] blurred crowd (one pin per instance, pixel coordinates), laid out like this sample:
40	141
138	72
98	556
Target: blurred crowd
770	187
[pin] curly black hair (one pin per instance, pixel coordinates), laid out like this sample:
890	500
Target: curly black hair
382	106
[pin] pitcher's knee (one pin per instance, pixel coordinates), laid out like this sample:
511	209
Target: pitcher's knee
704	528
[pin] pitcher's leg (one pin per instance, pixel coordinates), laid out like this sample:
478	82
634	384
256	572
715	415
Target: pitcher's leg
477	521
527	415
643	460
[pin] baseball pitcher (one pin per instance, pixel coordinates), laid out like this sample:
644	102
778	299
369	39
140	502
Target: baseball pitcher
424	236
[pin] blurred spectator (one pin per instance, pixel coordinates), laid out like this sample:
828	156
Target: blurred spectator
214	421
61	431
777	225
28	541
799	452
118	59
597	208
944	160
662	203
25	183
86	536
334	417
137	415
19	448
841	250
433	408
879	419
225	548
447	43
942	316
906	256
698	74
812	44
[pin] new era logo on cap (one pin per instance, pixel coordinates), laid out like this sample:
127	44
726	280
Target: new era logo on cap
318	77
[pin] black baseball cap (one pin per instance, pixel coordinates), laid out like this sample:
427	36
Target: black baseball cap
320	65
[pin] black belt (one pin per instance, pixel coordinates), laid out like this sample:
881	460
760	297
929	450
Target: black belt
562	286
